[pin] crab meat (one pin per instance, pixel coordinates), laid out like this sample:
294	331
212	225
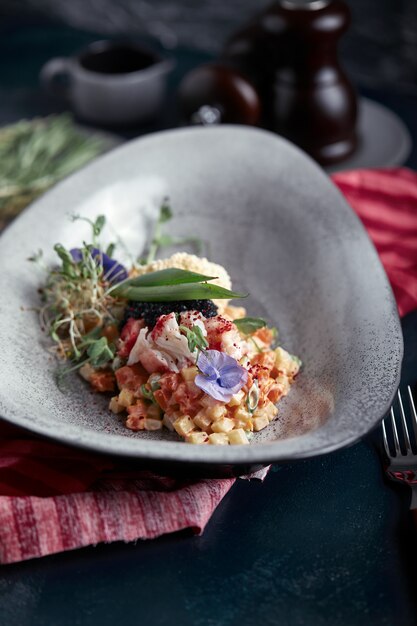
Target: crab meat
224	336
167	337
152	359
128	336
163	349
193	318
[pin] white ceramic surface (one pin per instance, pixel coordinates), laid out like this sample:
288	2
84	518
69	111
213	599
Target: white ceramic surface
274	219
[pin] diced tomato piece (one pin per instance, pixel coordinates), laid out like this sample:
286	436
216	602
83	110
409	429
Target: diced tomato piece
216	327
135	423
248	384
131	377
162	398
264	334
187	400
111	333
194	391
265	359
169	382
275	393
103	381
137	410
128	336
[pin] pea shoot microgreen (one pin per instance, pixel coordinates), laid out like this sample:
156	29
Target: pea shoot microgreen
163	240
147	393
195	337
87	291
76	304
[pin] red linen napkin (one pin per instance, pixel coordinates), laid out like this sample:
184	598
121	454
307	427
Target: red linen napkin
386	202
54	498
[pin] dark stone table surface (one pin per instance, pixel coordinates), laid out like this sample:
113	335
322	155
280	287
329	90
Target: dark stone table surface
326	541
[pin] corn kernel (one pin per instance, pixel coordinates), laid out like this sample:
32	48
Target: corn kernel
219	439
283	382
223	425
260	422
242	413
189	373
281	358
126	398
216	412
114	405
236	400
197	438
269	409
272	411
184	425
202	420
285	362
244	422
86	371
152	424
237	437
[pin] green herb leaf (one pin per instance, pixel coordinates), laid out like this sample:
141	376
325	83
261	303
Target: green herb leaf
165	212
248	325
68	265
167	240
258	349
147	393
160	240
96	226
63	254
169	293
99	225
100	352
170	276
110	249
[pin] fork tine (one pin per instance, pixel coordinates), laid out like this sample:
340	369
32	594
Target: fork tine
385	440
395	433
413	413
404	424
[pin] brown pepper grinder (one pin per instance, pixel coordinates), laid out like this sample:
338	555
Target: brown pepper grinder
289	51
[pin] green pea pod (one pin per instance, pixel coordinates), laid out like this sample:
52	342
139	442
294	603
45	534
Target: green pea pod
170	293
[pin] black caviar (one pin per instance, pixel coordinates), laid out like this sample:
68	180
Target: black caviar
150	311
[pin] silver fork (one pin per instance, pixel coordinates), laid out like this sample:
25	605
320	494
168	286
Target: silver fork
402	465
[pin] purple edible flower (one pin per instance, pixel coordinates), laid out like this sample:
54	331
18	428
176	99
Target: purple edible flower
113	271
221	375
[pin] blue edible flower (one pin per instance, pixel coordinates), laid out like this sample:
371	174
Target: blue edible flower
221	375
113	271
